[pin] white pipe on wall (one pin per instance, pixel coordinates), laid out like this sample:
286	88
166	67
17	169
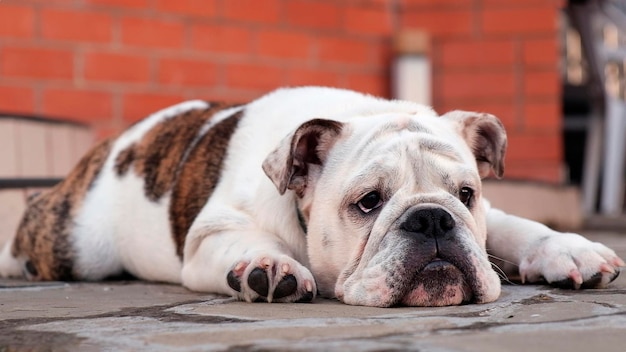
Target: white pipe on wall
411	68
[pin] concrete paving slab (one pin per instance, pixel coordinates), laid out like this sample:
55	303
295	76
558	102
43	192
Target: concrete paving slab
140	316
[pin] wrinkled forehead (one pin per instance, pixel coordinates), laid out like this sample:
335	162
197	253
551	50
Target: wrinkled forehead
415	135
396	146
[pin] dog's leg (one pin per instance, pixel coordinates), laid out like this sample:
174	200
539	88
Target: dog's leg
249	265
537	253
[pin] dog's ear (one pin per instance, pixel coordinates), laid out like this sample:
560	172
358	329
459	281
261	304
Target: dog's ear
289	165
485	135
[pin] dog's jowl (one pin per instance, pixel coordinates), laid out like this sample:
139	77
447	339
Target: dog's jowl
302	192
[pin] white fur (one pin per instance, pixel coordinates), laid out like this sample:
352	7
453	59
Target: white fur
9	266
246	223
117	227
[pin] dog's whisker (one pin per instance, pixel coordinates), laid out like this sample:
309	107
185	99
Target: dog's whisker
502	274
502	260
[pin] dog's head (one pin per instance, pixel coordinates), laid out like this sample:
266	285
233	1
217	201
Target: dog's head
393	205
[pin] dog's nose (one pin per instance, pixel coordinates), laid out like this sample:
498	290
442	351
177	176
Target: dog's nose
432	222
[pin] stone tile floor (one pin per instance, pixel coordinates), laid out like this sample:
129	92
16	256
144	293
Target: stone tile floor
137	316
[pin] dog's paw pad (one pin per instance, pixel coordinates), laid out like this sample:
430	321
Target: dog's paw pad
592	282
600	279
308	296
233	281
286	287
268	278
566	284
233	278
258	281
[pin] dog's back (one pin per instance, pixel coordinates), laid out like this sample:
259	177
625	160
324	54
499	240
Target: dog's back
120	207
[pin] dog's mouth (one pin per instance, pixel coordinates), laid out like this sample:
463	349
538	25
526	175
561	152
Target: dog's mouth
439	283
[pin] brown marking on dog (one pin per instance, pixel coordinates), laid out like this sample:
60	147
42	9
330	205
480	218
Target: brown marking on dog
159	155
198	177
124	159
43	234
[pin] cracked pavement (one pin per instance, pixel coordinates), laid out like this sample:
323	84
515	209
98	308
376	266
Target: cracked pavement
134	315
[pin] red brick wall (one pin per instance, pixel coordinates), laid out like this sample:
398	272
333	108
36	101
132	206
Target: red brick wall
500	56
110	62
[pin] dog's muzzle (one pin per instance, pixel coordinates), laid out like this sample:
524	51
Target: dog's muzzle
441	274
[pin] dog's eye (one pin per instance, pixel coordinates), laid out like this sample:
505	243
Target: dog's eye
465	195
370	202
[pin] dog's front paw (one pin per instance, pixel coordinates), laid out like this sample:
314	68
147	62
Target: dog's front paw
568	260
272	279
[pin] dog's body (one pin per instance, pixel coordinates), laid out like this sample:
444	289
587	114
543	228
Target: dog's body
374	202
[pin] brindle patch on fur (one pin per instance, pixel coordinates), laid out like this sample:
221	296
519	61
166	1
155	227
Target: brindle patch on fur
159	155
198	177
124	160
43	234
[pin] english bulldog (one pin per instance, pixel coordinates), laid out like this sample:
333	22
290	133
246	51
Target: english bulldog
303	192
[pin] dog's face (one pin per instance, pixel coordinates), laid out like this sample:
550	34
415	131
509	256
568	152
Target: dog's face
393	205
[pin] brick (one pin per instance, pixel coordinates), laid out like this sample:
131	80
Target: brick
16	21
266	11
254	76
343	50
376	21
196	8
80	105
48	2
429	3
479	53
541	51
383	53
440	22
379	3
131	4
152	33
471	85
279	44
544	116
526	3
136	106
542	83
519	21
187	72
76	25
374	84
310	14
220	38
534	147
36	63
305	77
16	99
100	66
231	96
